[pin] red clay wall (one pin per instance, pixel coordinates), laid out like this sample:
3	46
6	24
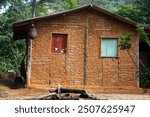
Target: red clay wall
50	69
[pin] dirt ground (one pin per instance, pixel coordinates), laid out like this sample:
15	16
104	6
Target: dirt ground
6	81
122	96
22	93
7	93
25	93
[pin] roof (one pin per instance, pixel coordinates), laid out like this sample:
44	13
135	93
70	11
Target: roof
90	6
26	23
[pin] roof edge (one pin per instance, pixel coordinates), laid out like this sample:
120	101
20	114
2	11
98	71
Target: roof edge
52	15
95	7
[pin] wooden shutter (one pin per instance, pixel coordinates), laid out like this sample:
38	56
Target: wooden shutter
59	43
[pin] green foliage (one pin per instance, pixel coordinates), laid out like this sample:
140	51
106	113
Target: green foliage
138	11
142	34
69	4
125	43
3	3
145	77
41	10
130	12
11	53
96	2
144	7
61	5
111	5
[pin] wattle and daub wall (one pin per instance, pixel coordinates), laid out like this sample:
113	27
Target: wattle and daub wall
49	69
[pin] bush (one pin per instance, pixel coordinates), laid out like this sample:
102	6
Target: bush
125	43
145	77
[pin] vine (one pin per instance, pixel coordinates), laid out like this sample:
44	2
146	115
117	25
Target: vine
142	34
125	43
145	71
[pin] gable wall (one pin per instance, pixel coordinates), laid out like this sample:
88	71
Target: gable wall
50	69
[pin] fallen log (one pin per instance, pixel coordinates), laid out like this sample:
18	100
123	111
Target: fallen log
82	93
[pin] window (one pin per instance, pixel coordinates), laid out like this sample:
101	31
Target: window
109	47
59	43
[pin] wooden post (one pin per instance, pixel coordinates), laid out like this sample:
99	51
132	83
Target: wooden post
29	58
85	49
29	50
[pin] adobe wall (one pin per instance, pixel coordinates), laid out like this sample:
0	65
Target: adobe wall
68	69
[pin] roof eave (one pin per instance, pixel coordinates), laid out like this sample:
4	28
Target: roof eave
20	23
27	21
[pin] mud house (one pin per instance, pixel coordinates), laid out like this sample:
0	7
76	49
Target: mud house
79	49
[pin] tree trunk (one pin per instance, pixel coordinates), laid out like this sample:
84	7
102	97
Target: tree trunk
33	8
